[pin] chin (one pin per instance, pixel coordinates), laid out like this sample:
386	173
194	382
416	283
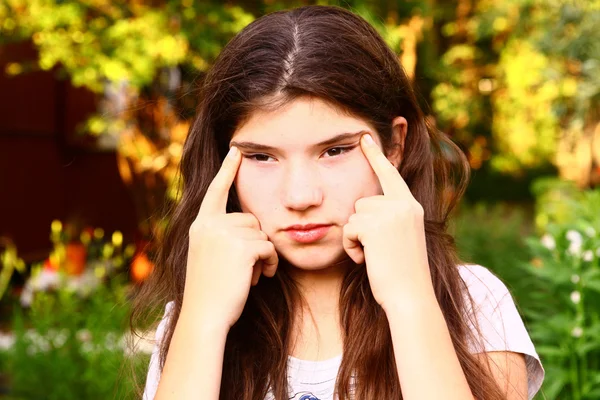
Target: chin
313	259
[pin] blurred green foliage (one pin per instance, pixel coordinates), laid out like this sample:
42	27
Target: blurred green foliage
67	347
562	306
532	65
95	42
494	236
560	202
553	272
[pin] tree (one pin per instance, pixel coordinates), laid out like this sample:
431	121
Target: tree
534	66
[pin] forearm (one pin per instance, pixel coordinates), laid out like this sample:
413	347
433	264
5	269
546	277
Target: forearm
427	363
194	363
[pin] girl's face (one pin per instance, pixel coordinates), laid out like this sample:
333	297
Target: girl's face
303	165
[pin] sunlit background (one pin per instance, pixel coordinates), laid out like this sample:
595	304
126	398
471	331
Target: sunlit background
96	98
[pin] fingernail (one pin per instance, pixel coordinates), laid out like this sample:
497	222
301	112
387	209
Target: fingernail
368	138
233	151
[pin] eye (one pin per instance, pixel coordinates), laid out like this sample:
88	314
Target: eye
258	157
336	151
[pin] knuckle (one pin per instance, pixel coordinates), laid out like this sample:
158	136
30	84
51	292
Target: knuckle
346	230
418	209
359	204
195	228
204	226
267	246
208	224
352	218
253	220
246	219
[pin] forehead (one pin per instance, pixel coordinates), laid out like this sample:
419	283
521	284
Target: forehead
302	122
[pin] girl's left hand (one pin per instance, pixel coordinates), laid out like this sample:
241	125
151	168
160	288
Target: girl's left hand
388	233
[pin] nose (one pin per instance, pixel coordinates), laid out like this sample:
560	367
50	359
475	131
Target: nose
301	188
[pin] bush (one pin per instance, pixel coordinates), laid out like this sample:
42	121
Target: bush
67	347
494	236
563	306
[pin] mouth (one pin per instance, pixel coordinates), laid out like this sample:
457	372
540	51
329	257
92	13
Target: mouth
307	233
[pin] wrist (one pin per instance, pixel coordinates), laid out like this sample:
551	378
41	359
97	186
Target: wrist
203	321
408	303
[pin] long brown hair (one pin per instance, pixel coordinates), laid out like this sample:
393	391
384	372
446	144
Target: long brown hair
329	53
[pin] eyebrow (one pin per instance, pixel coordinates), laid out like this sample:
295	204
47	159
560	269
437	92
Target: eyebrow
333	140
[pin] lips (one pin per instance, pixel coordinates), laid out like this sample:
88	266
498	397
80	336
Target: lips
307	233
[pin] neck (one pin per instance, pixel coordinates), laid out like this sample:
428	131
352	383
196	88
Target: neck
316	328
320	289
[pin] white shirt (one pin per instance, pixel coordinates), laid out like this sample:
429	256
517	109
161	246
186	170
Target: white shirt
499	321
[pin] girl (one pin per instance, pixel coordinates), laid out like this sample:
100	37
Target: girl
311	163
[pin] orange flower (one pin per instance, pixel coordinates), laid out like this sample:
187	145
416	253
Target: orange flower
76	255
141	267
537	262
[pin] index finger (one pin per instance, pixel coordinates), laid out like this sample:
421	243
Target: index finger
389	177
215	200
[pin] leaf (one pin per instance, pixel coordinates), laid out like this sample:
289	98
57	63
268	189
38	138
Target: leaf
583	349
551	351
593	285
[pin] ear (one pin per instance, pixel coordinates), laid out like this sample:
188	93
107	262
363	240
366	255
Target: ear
399	129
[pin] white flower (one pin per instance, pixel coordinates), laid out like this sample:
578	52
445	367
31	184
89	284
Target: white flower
587	256
46	279
44	345
59	338
6	341
574	236
31	350
87	347
42	281
548	241
576	297
111	341
84	335
575	278
31	335
577	332
574	249
38	343
576	241
591	232
26	296
84	284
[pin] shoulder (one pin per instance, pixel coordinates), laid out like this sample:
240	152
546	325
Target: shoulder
495	320
154	370
482	283
162	325
490	305
169	309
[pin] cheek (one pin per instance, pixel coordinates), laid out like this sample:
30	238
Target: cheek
255	187
369	182
352	182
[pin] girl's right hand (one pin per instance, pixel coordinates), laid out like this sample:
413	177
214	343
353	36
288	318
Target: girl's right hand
227	253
